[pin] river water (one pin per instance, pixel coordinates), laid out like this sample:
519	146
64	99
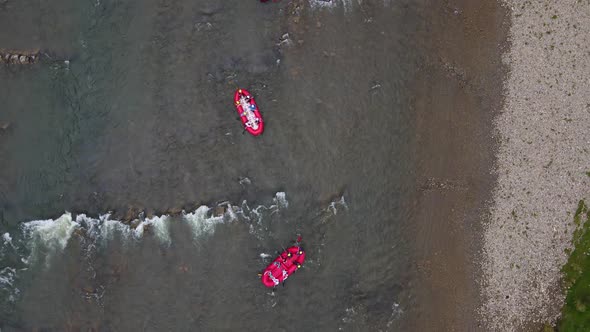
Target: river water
131	200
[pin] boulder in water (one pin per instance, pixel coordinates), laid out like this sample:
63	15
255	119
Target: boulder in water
131	213
219	211
19	58
174	211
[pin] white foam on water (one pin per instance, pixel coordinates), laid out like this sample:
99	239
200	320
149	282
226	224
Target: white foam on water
261	217
201	222
327	215
7	238
334	205
320	4
139	230
108	229
6	244
48	235
94	227
7	284
349	315
42	239
281	200
396	313
233	212
7	276
315	4
39	240
161	228
105	229
347	5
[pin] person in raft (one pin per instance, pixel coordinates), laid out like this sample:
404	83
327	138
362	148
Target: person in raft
288	270
248	124
251	107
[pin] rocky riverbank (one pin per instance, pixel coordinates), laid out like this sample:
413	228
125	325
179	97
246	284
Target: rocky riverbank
542	162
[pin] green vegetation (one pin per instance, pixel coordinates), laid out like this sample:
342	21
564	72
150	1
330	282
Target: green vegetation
547	328
576	311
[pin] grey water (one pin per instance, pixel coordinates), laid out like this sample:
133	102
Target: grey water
130	112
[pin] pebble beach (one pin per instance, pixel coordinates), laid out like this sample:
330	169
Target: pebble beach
543	158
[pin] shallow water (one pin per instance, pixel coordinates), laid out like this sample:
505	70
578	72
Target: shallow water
141	120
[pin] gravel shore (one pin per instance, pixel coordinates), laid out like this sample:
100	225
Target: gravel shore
543	157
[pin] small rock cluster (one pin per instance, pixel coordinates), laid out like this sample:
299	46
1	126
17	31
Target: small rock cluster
19	58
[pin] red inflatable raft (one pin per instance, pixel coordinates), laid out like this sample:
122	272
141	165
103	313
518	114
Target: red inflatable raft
283	266
248	111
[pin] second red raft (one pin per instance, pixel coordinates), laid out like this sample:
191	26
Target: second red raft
283	266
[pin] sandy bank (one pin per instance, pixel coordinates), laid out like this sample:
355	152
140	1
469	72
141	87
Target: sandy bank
544	153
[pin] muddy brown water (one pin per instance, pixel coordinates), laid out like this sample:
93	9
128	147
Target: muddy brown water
386	104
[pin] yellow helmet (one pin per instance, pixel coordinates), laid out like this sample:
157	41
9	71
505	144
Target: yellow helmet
289	255
298	266
300	252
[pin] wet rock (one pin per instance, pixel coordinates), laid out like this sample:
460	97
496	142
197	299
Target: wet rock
245	181
20	58
88	289
219	211
131	213
133	223
175	211
79	232
148	229
285	40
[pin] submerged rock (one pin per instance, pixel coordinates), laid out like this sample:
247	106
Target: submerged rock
20	57
174	211
219	211
131	213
